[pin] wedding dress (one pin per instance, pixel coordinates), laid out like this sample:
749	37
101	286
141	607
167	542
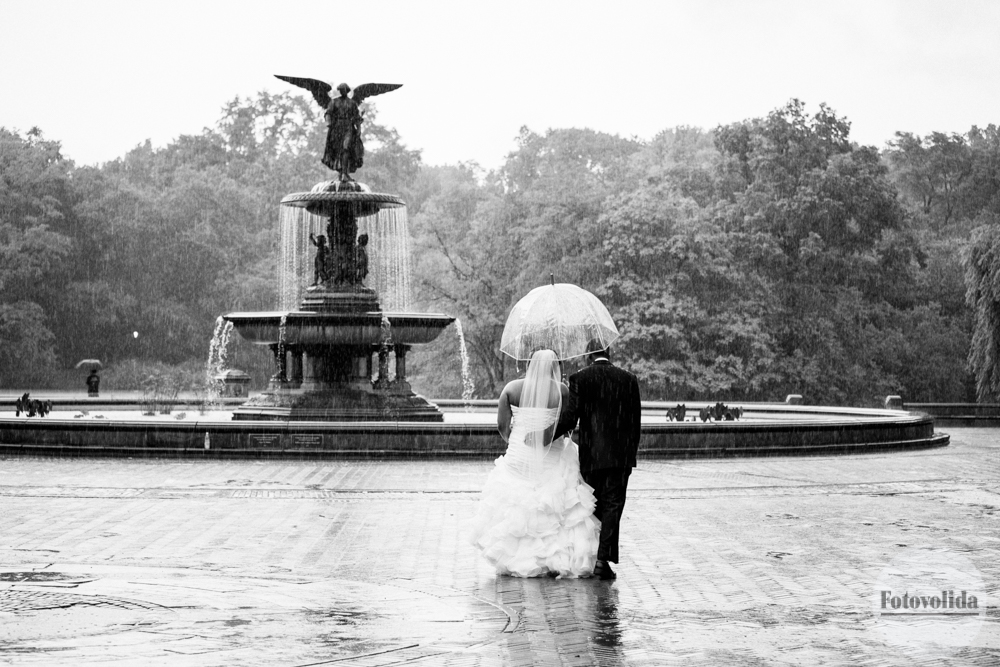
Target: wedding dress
536	516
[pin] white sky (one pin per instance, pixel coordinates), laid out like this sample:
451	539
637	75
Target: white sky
103	76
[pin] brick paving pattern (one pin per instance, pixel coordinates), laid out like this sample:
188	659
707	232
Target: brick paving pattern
725	562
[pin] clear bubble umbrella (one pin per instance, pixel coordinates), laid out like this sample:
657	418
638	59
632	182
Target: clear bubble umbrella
559	317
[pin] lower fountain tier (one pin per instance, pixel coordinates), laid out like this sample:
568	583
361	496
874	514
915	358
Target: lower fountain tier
324	365
340	404
324	329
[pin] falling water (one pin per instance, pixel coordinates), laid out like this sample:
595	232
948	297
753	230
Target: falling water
468	386
388	256
282	338
295	264
217	350
386	347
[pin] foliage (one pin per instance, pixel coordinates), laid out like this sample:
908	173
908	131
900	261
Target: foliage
983	298
691	325
483	241
769	256
36	219
932	170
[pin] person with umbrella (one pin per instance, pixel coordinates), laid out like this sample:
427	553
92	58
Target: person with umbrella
93	383
93	380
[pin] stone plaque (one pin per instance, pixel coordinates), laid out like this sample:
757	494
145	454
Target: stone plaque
309	440
264	440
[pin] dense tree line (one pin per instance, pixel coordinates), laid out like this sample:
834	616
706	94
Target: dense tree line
764	257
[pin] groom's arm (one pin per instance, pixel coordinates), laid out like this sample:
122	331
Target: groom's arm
569	414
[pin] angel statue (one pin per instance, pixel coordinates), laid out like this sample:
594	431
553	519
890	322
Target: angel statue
344	151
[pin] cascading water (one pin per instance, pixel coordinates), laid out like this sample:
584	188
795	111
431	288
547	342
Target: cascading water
385	370
217	350
389	250
295	272
282	340
468	385
388	256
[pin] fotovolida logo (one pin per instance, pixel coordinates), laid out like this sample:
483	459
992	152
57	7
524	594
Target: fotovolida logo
930	599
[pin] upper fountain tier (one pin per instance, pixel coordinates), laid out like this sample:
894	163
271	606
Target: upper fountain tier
324	198
342	256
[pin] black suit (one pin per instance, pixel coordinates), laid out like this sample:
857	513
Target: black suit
605	400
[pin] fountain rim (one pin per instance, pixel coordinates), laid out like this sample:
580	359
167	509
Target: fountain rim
853	430
305	199
352	328
346	317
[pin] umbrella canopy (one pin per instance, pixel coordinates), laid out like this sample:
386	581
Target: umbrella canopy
89	364
560	317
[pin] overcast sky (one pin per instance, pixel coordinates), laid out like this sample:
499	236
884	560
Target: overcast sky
104	76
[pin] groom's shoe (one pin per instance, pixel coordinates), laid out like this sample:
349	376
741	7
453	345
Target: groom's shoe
603	570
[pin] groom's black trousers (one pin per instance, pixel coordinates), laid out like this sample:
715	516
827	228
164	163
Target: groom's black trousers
609	487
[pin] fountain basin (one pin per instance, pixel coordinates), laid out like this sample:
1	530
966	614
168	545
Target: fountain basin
312	328
327	196
467	431
325	369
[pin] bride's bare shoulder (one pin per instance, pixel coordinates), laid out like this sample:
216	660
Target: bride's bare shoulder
512	392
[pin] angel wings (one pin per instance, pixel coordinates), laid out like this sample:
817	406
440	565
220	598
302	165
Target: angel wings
345	151
321	90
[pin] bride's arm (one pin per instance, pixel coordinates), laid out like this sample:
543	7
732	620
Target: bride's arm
504	414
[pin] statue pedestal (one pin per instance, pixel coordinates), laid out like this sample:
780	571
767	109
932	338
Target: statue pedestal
346	299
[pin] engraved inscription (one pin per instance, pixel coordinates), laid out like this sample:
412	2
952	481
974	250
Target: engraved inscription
264	440
307	440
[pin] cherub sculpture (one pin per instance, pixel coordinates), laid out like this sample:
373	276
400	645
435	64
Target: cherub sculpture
344	151
361	260
320	272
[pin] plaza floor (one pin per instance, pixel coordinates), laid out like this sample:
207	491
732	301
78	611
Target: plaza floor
753	561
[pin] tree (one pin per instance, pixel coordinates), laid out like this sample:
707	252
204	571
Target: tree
933	170
36	213
465	266
691	323
983	192
818	220
982	263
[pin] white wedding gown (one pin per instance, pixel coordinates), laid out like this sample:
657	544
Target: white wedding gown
536	520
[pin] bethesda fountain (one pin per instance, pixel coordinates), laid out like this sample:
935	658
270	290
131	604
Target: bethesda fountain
340	355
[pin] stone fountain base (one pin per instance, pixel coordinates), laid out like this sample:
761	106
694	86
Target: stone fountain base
394	403
325	365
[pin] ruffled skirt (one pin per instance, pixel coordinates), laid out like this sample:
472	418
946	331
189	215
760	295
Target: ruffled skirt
535	528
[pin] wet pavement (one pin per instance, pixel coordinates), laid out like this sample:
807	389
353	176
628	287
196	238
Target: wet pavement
734	561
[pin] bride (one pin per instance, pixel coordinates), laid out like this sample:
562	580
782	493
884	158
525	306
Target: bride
536	515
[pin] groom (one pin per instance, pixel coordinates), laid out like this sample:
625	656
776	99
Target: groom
605	399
